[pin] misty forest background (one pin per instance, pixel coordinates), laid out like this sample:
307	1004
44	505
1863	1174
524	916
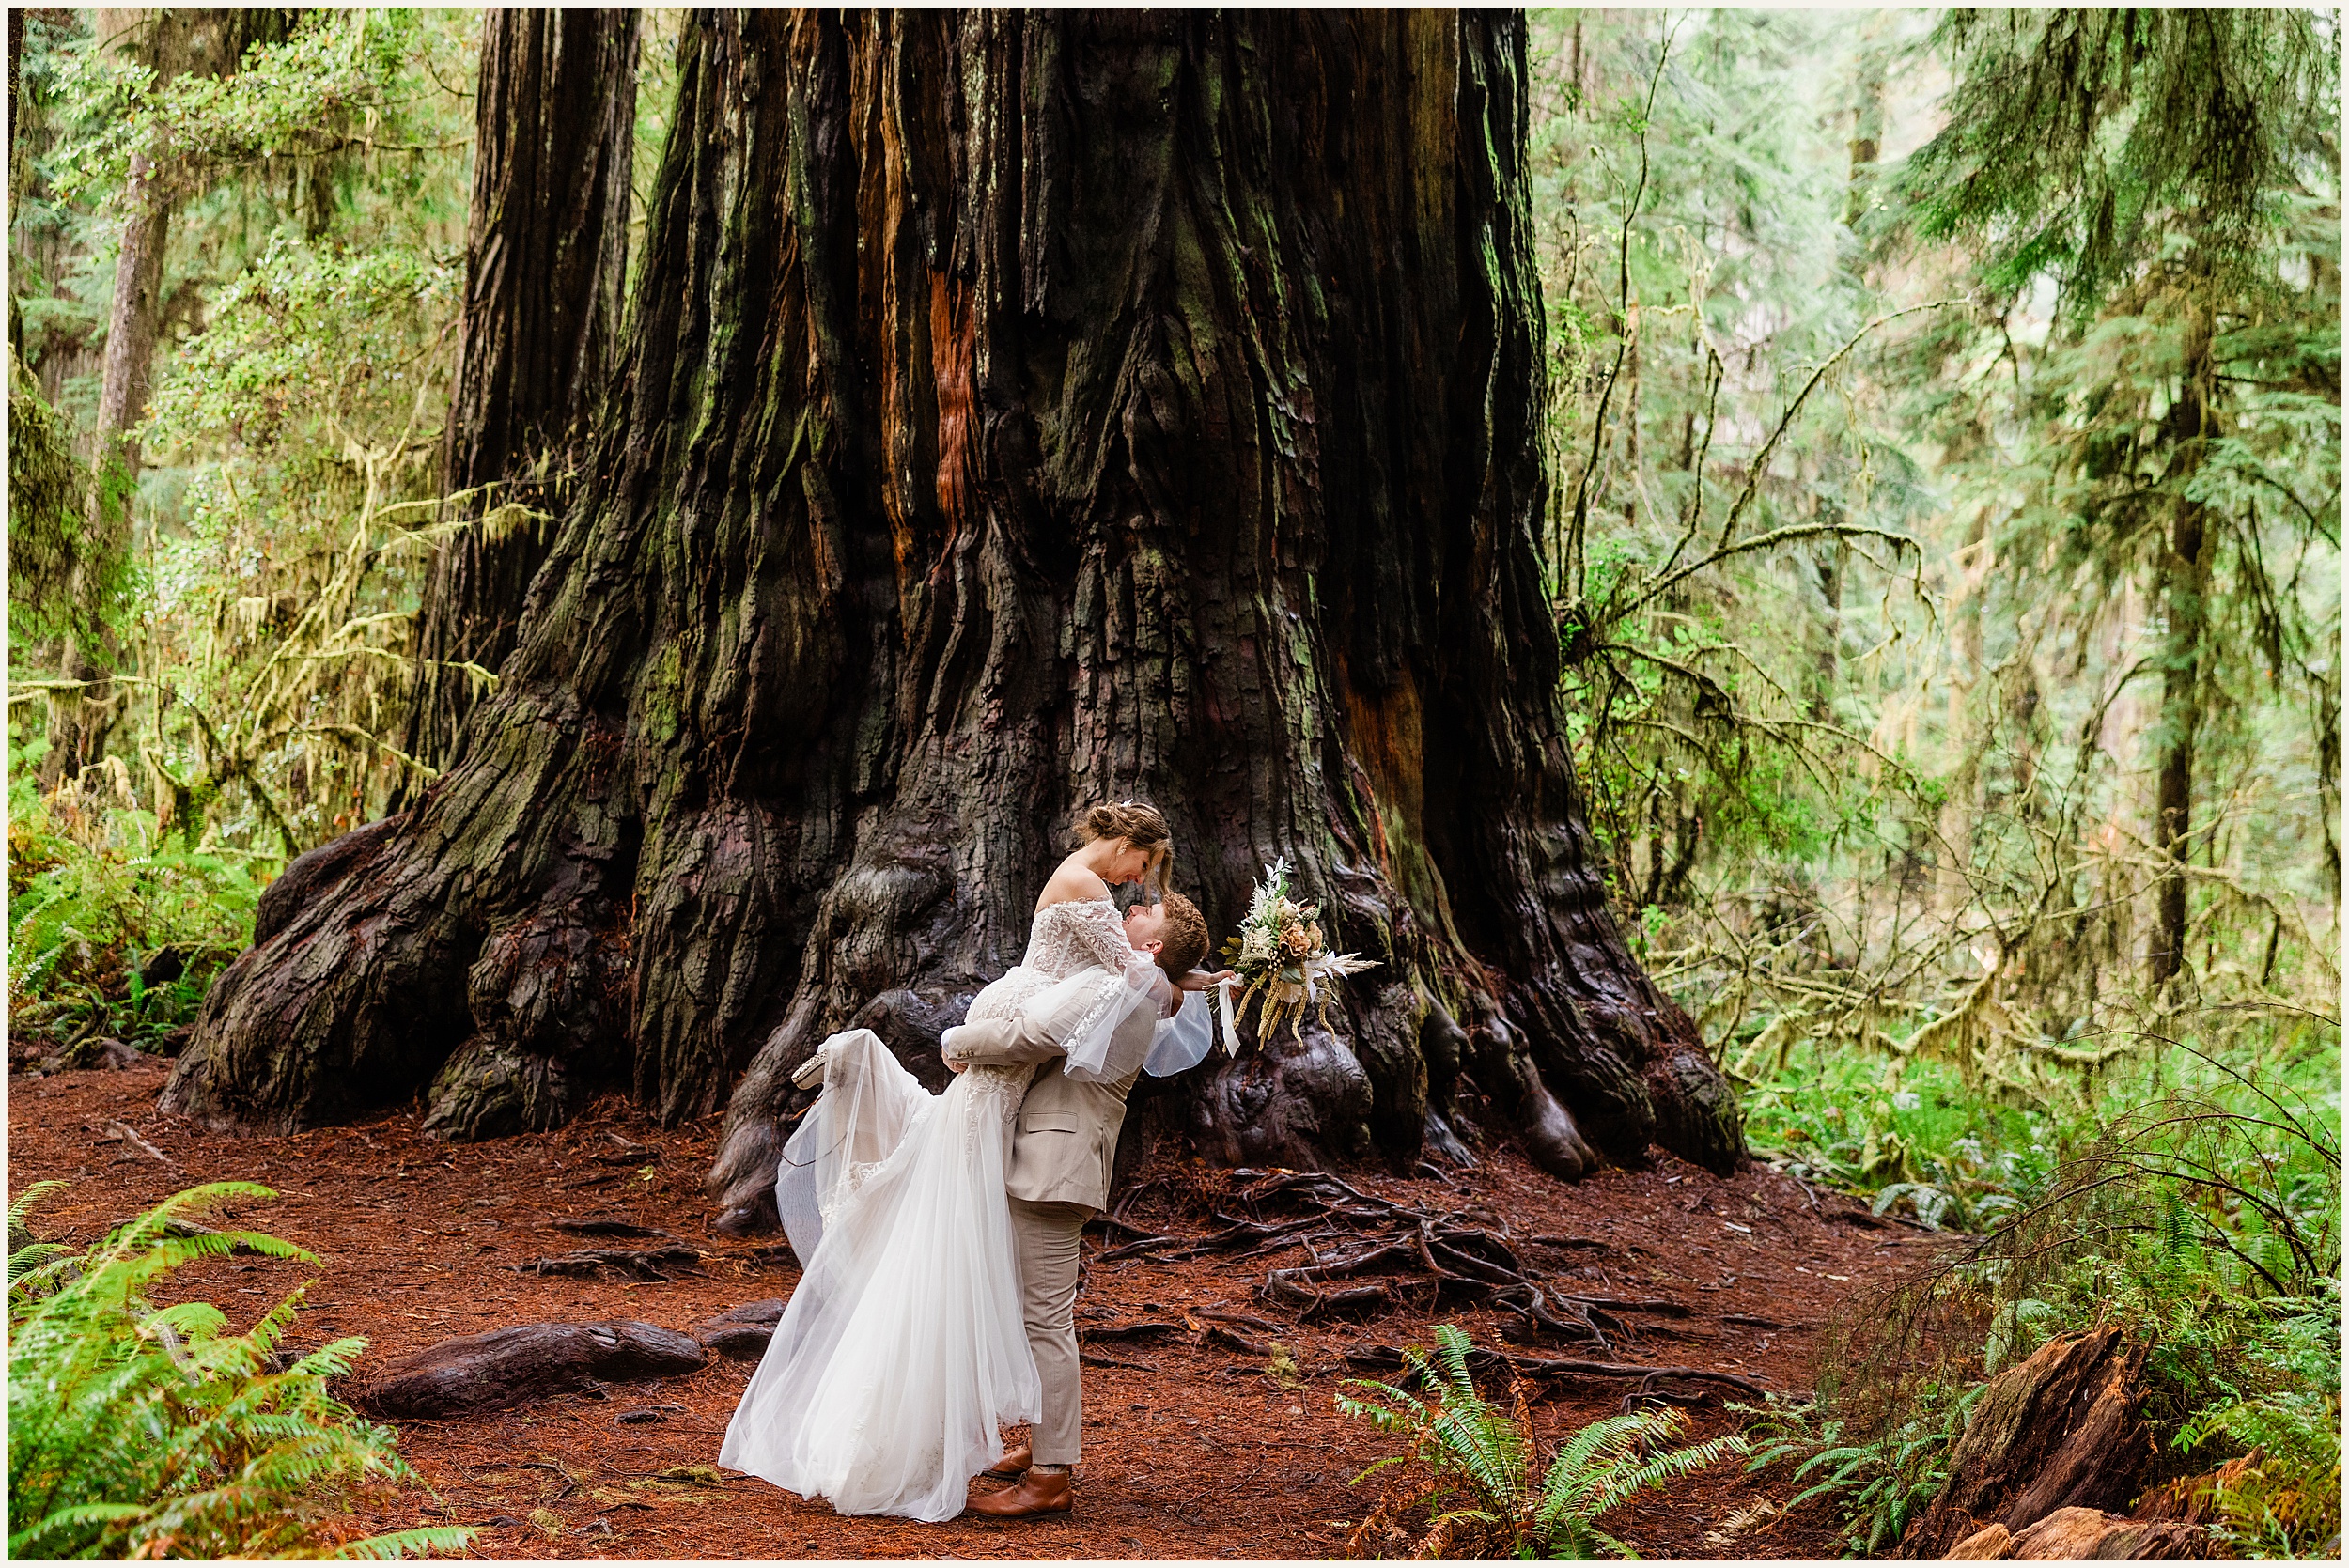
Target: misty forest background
1944	545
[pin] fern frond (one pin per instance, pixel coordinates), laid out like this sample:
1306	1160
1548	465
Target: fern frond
138	1430
406	1542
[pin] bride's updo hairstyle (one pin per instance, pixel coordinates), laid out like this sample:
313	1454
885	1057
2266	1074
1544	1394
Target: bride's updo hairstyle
1183	945
1140	826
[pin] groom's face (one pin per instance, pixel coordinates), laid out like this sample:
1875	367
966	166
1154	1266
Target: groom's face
1145	927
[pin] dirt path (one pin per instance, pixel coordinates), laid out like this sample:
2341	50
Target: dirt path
1191	1450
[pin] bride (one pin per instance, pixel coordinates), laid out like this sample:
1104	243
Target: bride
903	1347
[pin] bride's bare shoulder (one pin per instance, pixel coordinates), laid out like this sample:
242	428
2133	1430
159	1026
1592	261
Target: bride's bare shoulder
1068	884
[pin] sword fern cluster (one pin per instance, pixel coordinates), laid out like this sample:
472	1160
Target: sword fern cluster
1479	1492
142	1431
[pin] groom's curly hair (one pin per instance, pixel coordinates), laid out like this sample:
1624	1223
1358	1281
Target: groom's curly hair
1184	943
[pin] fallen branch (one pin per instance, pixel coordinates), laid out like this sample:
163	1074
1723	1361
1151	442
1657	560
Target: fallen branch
1145	1329
589	1262
124	1132
1382	1357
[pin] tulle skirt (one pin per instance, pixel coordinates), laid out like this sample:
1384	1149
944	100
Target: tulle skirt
903	1347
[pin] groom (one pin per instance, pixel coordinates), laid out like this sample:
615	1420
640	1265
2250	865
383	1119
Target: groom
1062	1150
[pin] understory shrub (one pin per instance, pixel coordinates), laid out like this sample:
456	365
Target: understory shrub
115	928
2205	1222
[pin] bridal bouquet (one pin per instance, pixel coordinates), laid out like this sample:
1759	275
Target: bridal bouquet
1282	960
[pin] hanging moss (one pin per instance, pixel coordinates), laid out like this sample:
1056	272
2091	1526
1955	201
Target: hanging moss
47	530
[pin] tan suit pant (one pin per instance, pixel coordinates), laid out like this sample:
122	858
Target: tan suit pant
1047	1235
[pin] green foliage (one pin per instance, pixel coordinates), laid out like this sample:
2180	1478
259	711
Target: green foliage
342	83
94	902
142	1431
2284	1497
1916	1138
2205	1218
283	521
1875	1484
1479	1494
48	533
2079	137
308	341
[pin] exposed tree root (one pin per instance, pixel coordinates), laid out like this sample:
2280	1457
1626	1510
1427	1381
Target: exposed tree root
1347	1233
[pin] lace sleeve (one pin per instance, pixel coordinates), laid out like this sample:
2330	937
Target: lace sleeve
1087	1014
1095	927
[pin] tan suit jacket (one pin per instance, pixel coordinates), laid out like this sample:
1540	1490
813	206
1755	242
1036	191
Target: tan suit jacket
1065	1139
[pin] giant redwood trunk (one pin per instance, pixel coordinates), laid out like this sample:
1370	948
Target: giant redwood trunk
554	115
1021	411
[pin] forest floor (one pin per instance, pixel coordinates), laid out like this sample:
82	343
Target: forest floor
1193	1450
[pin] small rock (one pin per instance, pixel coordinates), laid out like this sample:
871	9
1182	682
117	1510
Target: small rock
114	1056
642	1416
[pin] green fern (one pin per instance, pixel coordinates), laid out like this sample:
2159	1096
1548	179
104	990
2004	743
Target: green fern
138	1430
2285	1502
1876	1486
1478	1492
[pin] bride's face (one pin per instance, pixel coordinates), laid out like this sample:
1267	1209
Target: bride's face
1146	924
1129	864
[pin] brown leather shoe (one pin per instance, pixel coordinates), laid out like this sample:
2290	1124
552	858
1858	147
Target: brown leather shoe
1013	1465
1038	1492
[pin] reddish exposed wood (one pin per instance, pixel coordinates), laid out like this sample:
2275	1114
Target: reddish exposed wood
2089	1534
2060	1430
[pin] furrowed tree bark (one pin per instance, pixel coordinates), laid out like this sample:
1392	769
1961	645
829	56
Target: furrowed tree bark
1021	411
545	255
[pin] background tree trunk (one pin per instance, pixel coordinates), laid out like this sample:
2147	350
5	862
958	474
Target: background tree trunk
2182	577
1022	410
173	41
545	255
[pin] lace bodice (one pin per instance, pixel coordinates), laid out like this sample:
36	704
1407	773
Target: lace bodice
1076	934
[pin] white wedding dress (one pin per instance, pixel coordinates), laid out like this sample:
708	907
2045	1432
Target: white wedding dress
903	1346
